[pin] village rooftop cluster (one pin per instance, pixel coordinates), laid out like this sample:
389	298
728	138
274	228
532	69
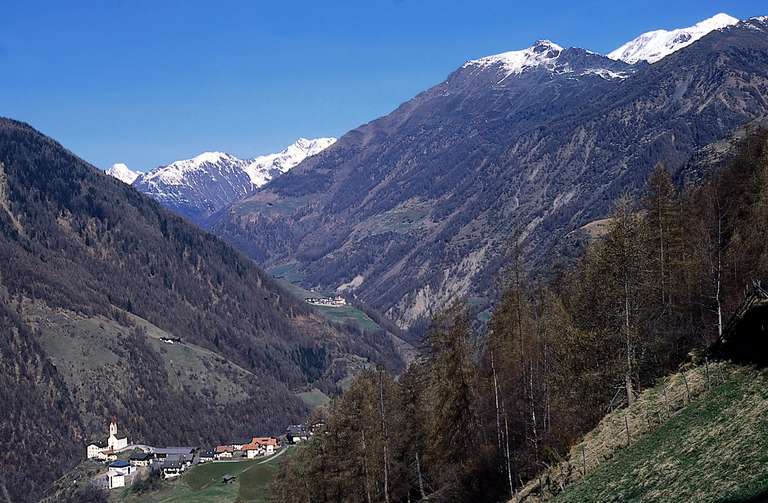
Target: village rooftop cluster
337	301
170	462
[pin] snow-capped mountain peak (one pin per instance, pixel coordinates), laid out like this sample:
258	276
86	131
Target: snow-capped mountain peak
208	182
122	173
263	168
177	172
543	53
656	45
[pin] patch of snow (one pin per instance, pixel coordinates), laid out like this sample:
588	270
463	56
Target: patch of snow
543	53
757	23
123	173
605	73
656	45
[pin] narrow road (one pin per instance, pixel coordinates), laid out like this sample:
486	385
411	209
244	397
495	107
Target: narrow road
280	453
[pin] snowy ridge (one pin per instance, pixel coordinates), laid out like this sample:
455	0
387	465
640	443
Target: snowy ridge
651	47
198	187
263	168
177	172
757	23
122	173
656	45
260	169
543	53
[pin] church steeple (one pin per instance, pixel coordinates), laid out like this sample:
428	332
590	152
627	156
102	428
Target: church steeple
113	427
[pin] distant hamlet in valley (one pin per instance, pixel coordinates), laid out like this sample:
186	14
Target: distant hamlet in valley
337	301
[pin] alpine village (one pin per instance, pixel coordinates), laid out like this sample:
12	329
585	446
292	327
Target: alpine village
539	275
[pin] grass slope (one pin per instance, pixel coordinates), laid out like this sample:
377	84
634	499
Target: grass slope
713	450
203	484
342	315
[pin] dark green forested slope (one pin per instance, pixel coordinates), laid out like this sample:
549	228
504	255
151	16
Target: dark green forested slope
78	248
476	417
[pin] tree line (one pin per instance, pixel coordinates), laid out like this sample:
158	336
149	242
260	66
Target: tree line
482	411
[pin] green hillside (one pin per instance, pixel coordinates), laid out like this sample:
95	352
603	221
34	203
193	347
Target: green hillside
203	483
344	314
714	449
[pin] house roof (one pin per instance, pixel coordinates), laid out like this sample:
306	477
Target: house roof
119	464
259	442
173	450
224	448
140	456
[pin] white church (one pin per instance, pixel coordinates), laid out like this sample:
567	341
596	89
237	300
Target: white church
114	444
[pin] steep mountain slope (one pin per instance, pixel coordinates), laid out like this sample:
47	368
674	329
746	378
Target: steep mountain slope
92	275
123	173
37	408
198	187
423	204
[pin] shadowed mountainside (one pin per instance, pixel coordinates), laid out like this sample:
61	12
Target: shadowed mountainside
92	275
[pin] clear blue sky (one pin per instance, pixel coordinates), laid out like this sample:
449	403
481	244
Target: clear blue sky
148	82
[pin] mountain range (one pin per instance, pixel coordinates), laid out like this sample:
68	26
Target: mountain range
198	187
511	152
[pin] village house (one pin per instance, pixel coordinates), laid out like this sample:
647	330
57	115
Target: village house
161	453
140	459
172	468
260	446
118	473
206	456
173	464
96	451
122	467
224	452
115	479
